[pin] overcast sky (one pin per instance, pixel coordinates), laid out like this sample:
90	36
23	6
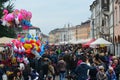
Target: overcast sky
51	14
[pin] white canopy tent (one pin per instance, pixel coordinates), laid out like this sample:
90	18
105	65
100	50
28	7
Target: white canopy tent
100	41
4	40
80	41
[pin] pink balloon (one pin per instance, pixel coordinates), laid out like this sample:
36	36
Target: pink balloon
9	17
24	13
20	17
16	11
29	15
5	11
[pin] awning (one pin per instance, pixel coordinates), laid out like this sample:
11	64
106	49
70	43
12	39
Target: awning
5	40
100	41
1	49
88	43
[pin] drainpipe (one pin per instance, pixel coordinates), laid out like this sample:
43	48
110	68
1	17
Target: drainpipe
113	28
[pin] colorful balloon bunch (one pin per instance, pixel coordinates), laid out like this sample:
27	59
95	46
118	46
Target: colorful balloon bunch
29	46
18	17
18	50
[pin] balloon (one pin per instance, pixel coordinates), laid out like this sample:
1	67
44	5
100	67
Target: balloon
27	41
22	40
15	49
20	17
26	23
38	50
32	41
18	43
24	13
23	49
19	50
37	38
35	45
18	35
5	11
42	49
17	17
29	15
15	12
27	46
25	27
38	42
28	51
28	36
9	17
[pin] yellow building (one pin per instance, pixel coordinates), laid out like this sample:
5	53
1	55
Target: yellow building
83	31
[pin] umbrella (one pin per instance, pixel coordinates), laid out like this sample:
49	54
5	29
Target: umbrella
100	41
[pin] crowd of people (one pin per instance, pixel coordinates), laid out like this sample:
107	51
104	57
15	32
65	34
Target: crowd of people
62	62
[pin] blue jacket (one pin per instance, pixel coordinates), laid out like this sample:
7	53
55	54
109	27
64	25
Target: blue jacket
111	77
81	71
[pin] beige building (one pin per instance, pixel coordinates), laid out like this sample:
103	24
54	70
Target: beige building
61	35
52	36
70	33
83	30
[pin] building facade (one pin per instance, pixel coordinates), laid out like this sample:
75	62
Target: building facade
117	26
100	19
44	37
34	31
83	30
105	22
69	33
61	35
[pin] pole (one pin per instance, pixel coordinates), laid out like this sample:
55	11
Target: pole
93	28
113	28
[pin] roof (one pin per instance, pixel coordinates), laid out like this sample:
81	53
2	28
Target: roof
43	35
34	27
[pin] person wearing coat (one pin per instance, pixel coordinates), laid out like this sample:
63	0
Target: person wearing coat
51	71
61	68
101	75
82	70
111	74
